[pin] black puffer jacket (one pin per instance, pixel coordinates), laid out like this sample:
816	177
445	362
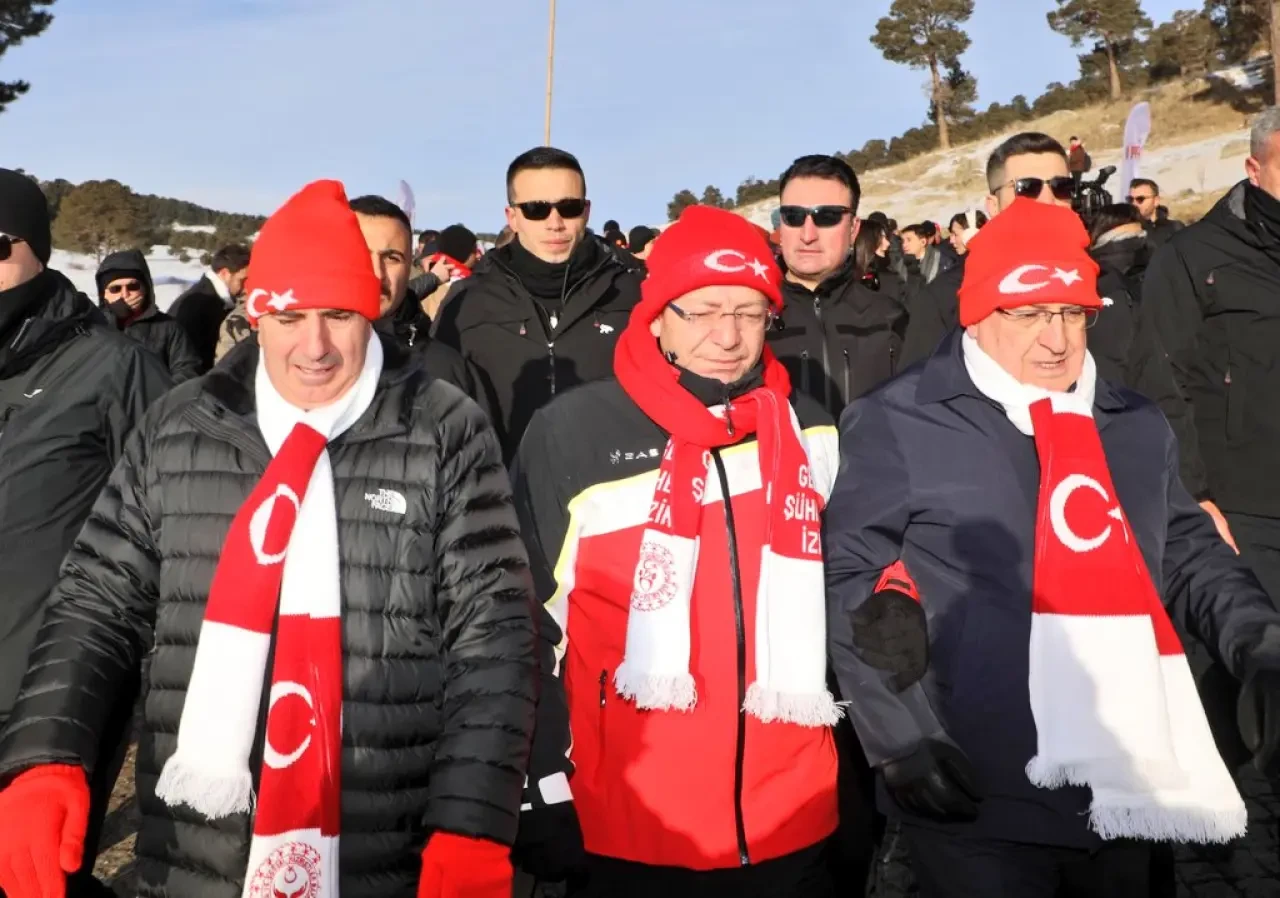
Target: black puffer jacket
153	328
439	669
71	390
842	340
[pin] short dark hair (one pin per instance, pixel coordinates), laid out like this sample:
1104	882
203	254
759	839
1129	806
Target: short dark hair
929	229
543	157
828	168
1145	182
1110	217
1028	143
375	206
917	229
233	257
612	225
427	236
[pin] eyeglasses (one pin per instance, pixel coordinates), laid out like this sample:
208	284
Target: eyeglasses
1063	188
747	319
1072	316
126	287
823	216
6	245
1134	200
540	210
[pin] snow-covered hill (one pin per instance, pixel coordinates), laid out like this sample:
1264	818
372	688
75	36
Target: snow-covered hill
170	274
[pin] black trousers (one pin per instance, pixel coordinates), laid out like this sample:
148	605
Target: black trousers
805	874
950	866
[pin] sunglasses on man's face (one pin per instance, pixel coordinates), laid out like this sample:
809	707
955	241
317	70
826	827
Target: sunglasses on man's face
6	245
1134	200
126	287
540	210
1063	187
823	216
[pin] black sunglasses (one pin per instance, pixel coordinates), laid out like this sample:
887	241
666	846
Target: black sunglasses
6	245
1134	200
1064	188
126	287
540	210
823	216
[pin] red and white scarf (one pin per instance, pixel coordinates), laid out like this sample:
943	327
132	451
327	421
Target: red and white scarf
790	632
1113	699
281	554
460	271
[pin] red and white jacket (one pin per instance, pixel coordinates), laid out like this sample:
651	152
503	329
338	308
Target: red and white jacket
705	789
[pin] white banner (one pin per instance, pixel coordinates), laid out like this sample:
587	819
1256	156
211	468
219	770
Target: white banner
404	199
1136	130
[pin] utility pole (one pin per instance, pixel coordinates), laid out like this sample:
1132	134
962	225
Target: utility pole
551	60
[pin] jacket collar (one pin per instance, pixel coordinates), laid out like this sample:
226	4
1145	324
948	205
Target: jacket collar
945	378
228	389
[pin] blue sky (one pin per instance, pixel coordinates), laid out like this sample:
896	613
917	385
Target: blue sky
236	103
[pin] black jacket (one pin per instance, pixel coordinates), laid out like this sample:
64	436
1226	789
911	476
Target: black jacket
934	474
200	311
841	340
1128	352
1214	295
438	639
933	312
153	329
1160	230
411	328
71	390
493	320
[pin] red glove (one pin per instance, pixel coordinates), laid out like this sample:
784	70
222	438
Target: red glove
462	867
43	816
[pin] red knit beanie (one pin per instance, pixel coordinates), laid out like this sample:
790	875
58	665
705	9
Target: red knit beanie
1030	253
311	255
707	247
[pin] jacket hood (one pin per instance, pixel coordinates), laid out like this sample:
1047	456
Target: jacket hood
1128	256
59	310
125	262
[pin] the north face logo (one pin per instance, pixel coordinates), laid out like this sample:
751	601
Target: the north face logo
387	500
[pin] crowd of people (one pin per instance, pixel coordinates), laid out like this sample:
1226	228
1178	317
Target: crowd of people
836	558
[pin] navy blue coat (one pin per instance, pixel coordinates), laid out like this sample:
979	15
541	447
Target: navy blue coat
933	472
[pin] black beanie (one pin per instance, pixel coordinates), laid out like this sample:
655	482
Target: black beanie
24	212
457	242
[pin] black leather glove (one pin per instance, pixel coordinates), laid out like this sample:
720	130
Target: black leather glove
1258	713
935	781
549	843
890	631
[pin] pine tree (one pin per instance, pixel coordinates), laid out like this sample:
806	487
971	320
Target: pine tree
1241	26
711	196
1111	23
19	19
926	34
100	217
959	93
681	201
1185	45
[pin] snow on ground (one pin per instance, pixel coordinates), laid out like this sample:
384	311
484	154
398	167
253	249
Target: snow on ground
171	276
195	229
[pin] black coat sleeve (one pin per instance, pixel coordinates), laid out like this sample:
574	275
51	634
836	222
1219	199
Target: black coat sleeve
484	603
1208	589
97	627
184	361
447	326
1169	297
1151	374
138	381
538	475
864	532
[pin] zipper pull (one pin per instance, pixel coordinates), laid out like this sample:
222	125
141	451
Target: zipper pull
604	676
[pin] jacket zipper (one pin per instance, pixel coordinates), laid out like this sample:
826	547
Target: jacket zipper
826	358
847	397
551	358
744	858
804	371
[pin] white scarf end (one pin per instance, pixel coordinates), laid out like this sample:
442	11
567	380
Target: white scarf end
1165	824
812	710
1053	775
656	692
214	795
